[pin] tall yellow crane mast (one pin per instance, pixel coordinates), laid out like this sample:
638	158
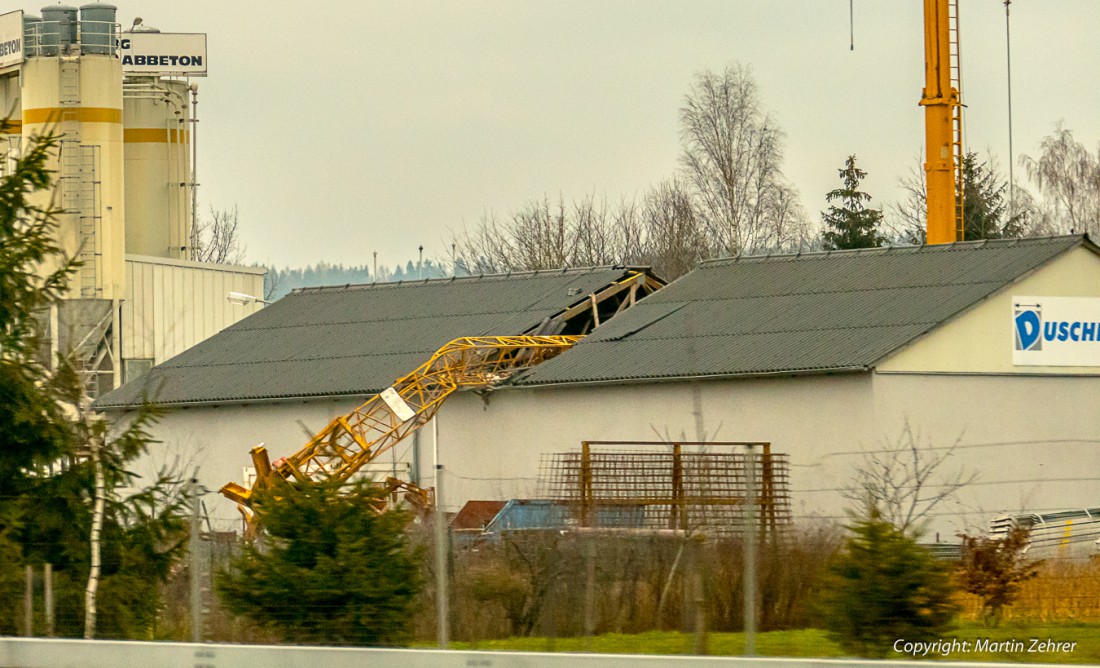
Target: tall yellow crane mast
350	441
943	121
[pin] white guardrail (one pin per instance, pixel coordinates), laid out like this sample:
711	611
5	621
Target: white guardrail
48	653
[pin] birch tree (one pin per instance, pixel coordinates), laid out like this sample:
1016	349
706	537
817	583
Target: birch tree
1067	177
732	156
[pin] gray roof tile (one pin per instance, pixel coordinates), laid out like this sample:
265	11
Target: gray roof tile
355	340
817	312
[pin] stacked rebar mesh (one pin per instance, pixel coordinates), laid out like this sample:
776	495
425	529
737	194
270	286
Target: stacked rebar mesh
697	487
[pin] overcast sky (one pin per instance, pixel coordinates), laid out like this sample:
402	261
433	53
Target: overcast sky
344	127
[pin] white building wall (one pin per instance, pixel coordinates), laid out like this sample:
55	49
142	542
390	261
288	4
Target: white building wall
493	450
1033	442
175	304
981	340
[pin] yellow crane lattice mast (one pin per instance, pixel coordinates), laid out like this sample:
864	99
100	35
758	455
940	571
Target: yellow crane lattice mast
943	122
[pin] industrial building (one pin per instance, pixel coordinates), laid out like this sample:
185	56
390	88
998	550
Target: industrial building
991	347
122	105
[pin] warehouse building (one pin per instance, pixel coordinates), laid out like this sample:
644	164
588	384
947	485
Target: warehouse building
990	347
282	374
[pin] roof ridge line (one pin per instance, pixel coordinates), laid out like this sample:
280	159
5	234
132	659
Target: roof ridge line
471	277
883	250
821	292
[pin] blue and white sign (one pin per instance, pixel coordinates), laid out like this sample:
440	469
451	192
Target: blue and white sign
1056	331
11	41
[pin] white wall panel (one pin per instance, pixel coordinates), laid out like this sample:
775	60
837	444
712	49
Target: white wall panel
175	304
1034	442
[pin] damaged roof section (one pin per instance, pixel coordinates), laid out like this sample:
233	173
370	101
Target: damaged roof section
356	339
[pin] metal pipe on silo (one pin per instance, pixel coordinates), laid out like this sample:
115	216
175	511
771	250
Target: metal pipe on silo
194	165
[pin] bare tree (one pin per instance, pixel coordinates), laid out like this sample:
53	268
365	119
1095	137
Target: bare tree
534	237
593	241
663	232
732	155
217	238
1068	178
906	481
673	237
545	235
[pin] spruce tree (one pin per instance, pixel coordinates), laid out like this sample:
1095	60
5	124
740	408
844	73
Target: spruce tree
331	568
884	586
848	222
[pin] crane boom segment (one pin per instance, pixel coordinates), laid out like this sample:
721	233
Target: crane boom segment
350	441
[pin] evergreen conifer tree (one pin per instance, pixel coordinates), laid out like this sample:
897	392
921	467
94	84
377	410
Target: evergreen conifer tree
848	222
331	568
884	586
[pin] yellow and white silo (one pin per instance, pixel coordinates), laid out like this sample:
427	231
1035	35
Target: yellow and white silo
72	87
157	122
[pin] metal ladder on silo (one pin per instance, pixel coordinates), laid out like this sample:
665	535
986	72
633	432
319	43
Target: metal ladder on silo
90	219
75	159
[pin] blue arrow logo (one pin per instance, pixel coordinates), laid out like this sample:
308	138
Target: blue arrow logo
1029	327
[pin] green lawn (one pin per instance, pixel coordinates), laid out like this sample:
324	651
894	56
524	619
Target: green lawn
815	643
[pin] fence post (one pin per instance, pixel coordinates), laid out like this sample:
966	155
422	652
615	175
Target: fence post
749	534
47	584
699	598
196	561
442	588
28	601
589	543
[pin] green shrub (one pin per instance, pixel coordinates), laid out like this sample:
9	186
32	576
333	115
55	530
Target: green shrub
882	587
330	568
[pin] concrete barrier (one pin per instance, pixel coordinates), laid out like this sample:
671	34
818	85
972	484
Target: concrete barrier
49	653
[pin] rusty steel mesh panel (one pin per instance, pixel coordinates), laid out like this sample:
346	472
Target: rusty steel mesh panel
673	488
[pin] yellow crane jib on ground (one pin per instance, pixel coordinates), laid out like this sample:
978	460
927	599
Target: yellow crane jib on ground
351	441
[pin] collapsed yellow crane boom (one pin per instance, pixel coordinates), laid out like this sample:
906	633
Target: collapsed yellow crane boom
351	441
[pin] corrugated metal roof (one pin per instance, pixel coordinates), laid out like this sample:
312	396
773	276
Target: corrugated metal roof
355	340
476	514
819	312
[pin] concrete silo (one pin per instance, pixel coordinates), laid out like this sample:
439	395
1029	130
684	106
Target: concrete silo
157	122
74	90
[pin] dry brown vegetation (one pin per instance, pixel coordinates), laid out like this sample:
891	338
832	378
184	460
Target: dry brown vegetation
536	583
1065	590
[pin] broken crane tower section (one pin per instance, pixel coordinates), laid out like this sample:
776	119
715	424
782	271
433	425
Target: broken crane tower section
351	441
